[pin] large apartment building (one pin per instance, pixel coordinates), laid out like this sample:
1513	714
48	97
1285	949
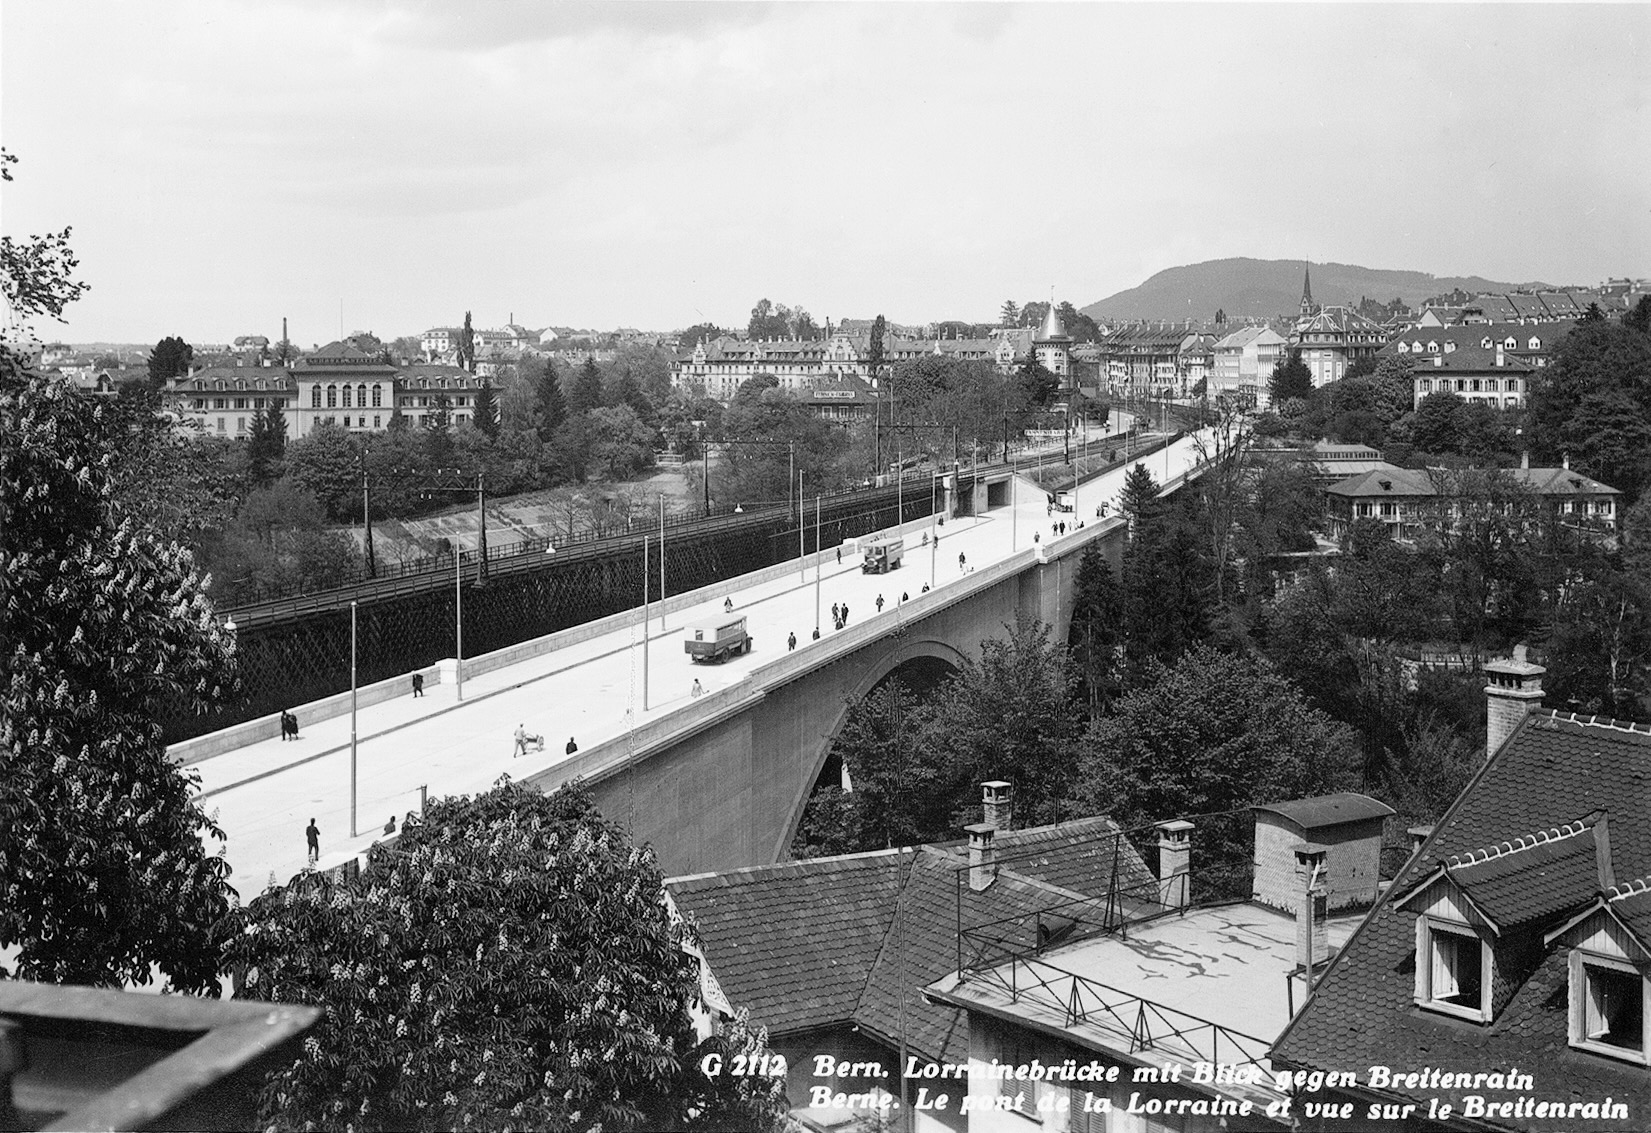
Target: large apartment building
339	384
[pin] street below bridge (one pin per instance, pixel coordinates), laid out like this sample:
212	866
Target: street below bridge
264	793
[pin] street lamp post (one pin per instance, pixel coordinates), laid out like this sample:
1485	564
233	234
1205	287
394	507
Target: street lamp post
458	619
352	717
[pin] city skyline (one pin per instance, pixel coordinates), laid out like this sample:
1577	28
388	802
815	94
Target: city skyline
658	166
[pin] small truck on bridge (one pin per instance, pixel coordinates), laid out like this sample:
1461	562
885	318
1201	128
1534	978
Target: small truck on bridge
718	641
883	554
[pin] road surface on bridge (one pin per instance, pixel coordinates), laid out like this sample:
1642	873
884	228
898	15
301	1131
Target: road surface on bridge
265	793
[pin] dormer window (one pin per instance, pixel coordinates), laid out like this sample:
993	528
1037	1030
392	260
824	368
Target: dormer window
1485	343
1535	343
1433	348
1510	343
1453	969
1608	1005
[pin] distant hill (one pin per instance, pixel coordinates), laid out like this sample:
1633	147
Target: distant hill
1263	288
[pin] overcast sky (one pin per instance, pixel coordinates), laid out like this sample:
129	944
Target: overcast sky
224	165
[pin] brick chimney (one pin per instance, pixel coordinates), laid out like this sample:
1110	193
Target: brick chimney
997	804
1312	940
1418	835
1174	863
1513	692
982	856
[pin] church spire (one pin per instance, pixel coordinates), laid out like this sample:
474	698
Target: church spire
1308	307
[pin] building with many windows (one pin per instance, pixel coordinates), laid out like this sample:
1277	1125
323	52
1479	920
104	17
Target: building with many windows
1488	362
1410	501
1243	364
719	366
338	384
1509	964
1332	338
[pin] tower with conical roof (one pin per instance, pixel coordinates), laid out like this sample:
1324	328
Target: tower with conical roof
1053	346
1308	307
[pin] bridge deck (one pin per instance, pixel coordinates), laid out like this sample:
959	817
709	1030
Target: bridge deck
265	792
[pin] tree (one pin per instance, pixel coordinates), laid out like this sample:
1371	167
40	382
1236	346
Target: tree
509	962
1138	495
1168	587
905	787
1011	717
587	389
467	345
769	320
169	359
1435	429
1599	377
1290	378
107	628
1213	732
698	333
1038	384
552	408
1009	313
619	444
1094	639
37	272
874	349
325	463
438	432
487	411
267	442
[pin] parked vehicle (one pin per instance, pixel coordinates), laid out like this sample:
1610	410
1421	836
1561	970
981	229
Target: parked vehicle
1066	501
719	641
883	554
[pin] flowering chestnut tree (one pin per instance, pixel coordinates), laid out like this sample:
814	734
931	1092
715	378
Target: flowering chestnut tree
509	962
103	624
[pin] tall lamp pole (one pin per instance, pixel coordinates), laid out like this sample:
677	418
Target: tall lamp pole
352	718
819	558
458	618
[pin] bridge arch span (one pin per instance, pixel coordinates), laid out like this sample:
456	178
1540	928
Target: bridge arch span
900	653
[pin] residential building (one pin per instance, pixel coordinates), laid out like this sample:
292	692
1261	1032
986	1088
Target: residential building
1134	1003
1332	338
1505	976
253	344
438	342
1053	347
720	366
1410	501
1489	362
1244	362
831	954
1145	360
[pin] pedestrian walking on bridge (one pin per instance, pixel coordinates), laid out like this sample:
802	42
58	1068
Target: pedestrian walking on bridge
312	838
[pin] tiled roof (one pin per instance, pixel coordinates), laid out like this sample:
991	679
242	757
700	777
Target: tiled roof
1560	482
1555	768
813	943
921	947
1536	876
794	943
1385	483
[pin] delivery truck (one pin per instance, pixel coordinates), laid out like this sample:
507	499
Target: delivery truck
717	641
883	554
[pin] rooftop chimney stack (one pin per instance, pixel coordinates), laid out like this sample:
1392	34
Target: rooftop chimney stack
1312	940
982	857
1514	691
997	804
1174	863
